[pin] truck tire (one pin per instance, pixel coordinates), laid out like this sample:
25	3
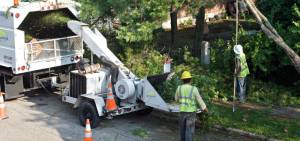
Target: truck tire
87	110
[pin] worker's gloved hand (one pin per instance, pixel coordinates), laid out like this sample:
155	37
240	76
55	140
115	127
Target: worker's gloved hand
199	111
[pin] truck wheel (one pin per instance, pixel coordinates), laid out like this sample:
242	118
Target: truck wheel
87	110
145	111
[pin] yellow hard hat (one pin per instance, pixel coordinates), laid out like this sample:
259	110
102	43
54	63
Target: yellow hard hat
186	75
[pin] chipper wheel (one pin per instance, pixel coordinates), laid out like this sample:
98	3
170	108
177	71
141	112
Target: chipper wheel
88	110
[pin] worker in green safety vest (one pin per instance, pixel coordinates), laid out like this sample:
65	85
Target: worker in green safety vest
189	101
241	72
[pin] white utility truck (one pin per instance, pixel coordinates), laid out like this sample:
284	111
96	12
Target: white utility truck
41	62
47	61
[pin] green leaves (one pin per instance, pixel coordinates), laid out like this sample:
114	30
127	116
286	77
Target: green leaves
143	61
139	32
139	22
296	22
138	19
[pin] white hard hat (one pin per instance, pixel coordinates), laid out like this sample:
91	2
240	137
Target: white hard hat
238	49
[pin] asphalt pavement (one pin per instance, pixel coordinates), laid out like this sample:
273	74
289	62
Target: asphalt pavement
43	117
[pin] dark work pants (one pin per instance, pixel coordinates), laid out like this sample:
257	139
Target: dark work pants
187	126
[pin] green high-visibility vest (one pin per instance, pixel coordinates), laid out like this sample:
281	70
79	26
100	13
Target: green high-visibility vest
186	99
244	67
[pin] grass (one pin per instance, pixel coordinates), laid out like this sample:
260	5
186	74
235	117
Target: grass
139	132
256	121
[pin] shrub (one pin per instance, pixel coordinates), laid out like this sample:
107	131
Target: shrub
143	61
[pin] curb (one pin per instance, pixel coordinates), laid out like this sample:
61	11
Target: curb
242	133
173	117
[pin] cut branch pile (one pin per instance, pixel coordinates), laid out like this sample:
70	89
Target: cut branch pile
46	25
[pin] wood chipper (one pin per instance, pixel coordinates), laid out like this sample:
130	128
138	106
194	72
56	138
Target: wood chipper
89	89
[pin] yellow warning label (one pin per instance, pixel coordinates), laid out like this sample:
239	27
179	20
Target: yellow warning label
3	35
151	94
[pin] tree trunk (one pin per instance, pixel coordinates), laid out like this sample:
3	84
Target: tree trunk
173	15
271	32
199	31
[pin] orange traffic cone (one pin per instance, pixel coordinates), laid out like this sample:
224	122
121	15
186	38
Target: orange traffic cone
110	100
2	108
87	131
16	2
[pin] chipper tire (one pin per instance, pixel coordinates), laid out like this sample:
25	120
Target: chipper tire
88	110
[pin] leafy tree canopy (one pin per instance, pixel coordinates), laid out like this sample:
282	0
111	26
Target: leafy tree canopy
138	18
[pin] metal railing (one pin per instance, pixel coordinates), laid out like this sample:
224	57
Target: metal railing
52	49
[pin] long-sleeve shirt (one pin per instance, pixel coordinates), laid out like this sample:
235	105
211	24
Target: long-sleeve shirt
186	88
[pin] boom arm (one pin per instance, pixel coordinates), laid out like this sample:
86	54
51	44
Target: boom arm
95	41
